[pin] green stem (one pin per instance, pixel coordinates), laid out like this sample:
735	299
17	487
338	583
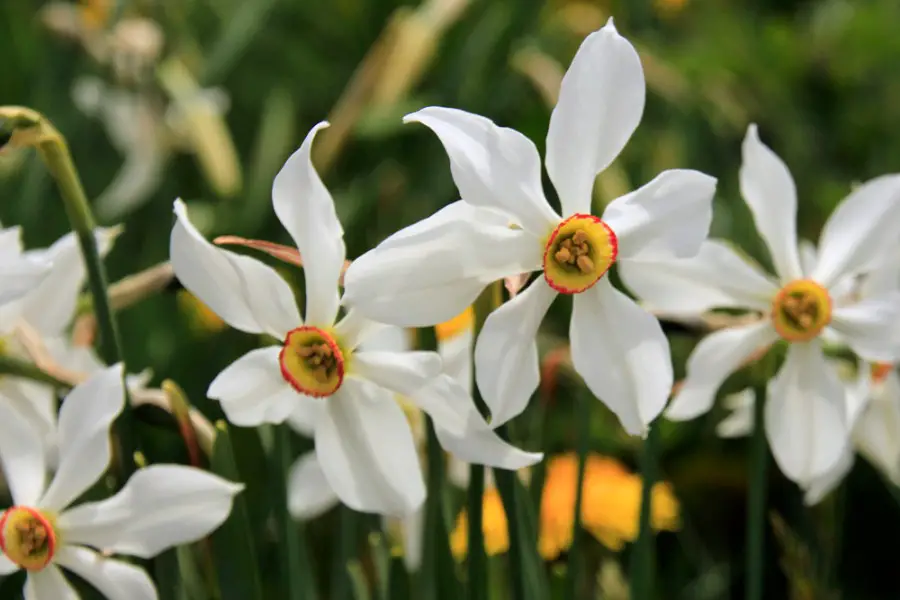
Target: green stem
573	573
477	557
442	583
345	551
13	366
296	572
642	567
34	129
756	511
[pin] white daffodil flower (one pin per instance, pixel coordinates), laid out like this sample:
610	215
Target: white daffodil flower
309	494
47	311
363	441
159	507
18	274
805	414
504	226
873	418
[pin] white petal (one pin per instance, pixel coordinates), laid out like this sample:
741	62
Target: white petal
354	329
622	353
476	442
19	276
717	356
401	372
769	191
716	278
253	391
740	422
309	493
804	415
600	104
305	415
413	527
877	432
871	327
7	567
49	584
21	455
885	277
420	279
160	506
446	401
493	167
826	483
455	211
809	256
115	579
244	292
10	242
306	210
389	338
366	450
456	354
667	218
85	419
51	307
860	230
506	357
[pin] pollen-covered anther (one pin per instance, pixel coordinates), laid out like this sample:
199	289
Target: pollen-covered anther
578	253
801	310
312	361
27	537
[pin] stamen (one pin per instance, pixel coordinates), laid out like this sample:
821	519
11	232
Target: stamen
578	253
312	361
801	310
27	537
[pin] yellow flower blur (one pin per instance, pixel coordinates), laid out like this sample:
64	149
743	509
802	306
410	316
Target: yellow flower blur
201	318
455	326
611	508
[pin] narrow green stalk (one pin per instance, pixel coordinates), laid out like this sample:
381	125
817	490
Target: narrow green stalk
30	128
526	569
489	300
643	556
442	582
345	551
297	582
10	365
583	424
756	510
477	556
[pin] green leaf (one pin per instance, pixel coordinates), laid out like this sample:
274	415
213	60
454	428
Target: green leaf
234	551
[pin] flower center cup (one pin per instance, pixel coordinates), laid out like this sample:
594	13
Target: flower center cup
801	310
312	361
578	253
27	537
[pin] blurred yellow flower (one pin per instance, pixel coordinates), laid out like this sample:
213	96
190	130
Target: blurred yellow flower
464	321
201	317
496	534
611	508
95	13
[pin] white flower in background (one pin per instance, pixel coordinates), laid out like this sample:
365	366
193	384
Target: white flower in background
363	441
46	312
504	226
873	418
805	414
159	507
18	274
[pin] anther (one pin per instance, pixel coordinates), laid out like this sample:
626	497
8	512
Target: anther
578	253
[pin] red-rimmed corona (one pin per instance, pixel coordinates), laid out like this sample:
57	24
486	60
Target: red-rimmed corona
578	253
312	361
28	537
801	310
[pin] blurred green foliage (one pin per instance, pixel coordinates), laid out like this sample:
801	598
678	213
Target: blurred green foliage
819	77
